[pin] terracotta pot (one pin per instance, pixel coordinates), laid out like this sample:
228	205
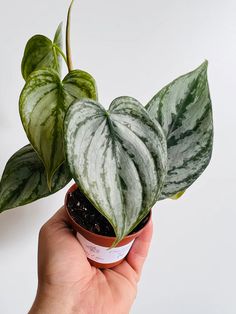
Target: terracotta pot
97	246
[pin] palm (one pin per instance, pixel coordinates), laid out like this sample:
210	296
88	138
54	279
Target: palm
94	289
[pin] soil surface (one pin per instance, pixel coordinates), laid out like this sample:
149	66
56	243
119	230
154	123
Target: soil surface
87	216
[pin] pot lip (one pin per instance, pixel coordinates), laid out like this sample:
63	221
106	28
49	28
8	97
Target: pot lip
99	236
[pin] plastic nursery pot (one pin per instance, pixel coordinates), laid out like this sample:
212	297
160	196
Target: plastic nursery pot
97	246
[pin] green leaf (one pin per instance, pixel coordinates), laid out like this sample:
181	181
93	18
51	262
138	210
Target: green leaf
43	103
183	108
40	52
58	43
24	179
118	159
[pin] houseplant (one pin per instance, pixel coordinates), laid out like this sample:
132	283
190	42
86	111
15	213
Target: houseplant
125	159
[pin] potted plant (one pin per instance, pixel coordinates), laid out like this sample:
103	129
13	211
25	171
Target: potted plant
123	160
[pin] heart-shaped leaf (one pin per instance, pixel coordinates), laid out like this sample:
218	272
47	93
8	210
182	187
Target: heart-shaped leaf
183	108
24	179
43	103
118	159
40	52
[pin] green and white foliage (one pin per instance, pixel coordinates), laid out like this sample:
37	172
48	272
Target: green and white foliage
40	52
183	108
118	159
123	159
43	103
24	179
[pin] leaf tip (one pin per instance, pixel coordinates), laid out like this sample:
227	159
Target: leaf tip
177	195
49	182
60	25
204	65
114	244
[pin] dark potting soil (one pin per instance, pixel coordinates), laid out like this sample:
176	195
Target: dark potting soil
87	216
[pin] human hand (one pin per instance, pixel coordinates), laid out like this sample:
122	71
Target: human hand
67	283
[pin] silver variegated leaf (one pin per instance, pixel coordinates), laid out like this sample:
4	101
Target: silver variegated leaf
118	159
183	108
43	103
40	52
24	179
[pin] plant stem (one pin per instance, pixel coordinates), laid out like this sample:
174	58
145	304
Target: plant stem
62	54
68	48
55	58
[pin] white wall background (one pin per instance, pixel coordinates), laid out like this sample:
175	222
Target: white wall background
134	48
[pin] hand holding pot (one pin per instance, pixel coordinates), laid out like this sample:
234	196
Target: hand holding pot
67	283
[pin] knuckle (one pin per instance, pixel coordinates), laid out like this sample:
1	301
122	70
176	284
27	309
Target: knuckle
43	230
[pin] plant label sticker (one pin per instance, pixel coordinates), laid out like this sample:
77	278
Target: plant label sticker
102	254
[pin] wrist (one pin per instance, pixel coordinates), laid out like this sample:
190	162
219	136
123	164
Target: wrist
51	300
